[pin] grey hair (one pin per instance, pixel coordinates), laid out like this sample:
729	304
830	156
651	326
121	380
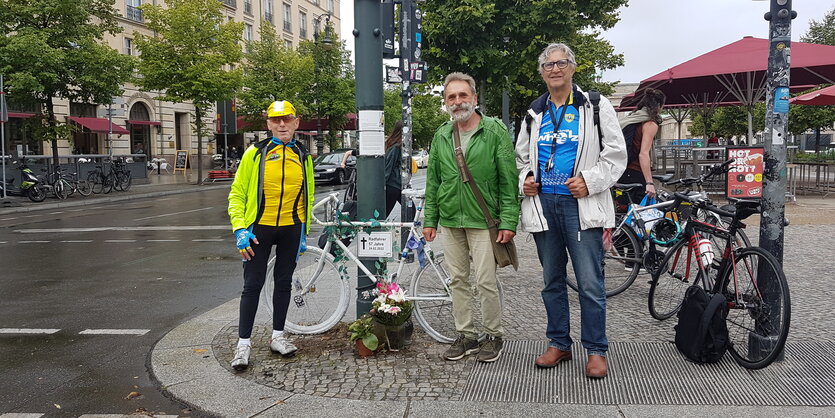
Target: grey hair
550	49
460	77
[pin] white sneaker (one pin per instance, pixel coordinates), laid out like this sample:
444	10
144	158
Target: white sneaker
282	346
241	360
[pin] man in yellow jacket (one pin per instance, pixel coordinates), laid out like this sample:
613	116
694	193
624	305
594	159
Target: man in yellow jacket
270	205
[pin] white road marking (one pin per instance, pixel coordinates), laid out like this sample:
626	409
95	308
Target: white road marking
76	210
55	213
17	415
114	331
7	219
78	240
28	331
163	240
126	228
173	214
120	240
209	240
4	242
32	242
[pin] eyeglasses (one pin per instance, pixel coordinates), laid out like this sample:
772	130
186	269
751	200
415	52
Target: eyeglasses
287	119
561	64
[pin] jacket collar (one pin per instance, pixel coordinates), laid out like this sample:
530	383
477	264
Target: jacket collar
540	105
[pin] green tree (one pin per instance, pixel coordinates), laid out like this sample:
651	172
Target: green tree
273	72
727	121
498	43
427	115
805	117
53	49
331	95
821	32
190	57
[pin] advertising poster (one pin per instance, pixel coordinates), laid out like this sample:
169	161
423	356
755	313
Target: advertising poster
745	180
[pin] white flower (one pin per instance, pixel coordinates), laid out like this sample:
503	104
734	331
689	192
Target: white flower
398	296
380	299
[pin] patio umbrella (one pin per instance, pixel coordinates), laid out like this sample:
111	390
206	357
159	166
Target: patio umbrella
737	73
822	97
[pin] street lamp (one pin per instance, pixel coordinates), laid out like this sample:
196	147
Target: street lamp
322	39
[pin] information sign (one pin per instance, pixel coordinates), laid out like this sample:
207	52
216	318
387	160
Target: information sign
745	179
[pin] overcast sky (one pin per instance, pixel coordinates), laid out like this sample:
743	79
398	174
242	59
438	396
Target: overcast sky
655	35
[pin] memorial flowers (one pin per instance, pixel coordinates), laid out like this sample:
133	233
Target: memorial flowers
390	307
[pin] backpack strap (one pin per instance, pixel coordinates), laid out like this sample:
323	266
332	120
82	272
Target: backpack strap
528	121
716	301
594	98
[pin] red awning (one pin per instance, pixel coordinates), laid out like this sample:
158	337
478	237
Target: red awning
99	125
822	97
21	115
144	122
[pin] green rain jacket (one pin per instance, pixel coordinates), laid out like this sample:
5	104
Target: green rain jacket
247	189
492	162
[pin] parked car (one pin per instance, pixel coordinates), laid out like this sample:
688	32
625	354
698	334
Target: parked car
421	158
326	167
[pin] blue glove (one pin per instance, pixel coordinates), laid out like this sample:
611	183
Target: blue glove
242	238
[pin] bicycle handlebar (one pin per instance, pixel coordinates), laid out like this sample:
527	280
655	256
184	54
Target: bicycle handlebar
702	203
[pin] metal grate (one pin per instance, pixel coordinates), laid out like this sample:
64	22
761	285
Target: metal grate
654	373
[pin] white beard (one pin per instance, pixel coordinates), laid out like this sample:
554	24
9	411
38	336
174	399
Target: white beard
469	110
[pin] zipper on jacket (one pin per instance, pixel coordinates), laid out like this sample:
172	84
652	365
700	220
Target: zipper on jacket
283	176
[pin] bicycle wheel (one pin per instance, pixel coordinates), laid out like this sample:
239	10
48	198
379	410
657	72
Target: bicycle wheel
740	240
759	308
125	181
677	272
61	189
71	188
319	295
621	263
84	188
108	182
96	183
433	302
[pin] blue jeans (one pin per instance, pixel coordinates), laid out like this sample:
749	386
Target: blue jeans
586	251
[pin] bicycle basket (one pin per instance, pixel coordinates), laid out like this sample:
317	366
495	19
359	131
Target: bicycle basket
665	232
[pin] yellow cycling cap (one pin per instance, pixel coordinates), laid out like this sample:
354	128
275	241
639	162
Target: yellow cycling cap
281	108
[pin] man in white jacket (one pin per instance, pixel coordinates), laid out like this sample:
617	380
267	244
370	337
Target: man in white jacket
565	172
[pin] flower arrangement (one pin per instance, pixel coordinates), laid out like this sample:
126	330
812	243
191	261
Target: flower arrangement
390	307
363	329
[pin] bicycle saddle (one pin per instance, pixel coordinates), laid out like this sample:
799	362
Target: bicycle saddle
662	177
627	186
742	208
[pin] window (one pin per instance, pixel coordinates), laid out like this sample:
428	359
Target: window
268	10
248	7
132	10
83	110
231	3
303	25
287	25
316	2
248	32
330	6
288	44
128	46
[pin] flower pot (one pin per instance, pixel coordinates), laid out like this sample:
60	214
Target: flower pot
362	350
394	336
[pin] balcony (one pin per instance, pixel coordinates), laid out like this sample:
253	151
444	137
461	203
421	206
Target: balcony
230	3
248	8
134	13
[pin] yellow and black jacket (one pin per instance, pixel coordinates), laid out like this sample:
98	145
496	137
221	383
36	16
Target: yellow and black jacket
288	196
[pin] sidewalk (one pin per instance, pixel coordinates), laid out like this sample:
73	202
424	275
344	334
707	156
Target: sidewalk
647	375
154	185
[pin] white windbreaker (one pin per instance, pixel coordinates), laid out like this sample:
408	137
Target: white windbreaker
599	168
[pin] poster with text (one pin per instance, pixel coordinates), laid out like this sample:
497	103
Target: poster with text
745	179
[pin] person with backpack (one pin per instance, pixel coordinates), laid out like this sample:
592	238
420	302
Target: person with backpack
569	152
639	129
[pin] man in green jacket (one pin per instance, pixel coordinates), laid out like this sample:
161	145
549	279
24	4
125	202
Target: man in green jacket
450	203
270	205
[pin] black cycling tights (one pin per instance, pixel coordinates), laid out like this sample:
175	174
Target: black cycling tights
286	242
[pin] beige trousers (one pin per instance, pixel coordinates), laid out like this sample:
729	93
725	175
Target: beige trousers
459	244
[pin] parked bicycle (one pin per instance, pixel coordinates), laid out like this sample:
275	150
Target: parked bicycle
56	183
750	278
122	178
82	186
320	291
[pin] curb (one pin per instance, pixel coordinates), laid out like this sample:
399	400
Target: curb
109	199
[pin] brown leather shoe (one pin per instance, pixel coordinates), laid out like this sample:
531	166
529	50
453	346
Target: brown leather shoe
596	367
552	357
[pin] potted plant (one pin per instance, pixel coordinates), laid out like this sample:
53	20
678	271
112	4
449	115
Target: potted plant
391	310
362	333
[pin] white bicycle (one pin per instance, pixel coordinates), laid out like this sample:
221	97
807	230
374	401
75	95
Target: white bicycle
320	288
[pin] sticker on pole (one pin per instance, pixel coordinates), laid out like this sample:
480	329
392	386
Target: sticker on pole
745	178
374	244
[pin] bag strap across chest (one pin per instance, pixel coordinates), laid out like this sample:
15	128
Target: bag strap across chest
467	178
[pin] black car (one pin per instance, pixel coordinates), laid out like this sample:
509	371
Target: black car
327	167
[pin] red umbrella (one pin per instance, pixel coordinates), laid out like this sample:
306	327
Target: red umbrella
822	97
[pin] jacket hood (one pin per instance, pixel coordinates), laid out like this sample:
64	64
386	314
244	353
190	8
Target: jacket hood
638	116
540	105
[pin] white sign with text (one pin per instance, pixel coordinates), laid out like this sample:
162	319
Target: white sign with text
375	244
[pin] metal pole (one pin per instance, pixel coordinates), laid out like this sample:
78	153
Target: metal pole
371	161
3	117
406	30
110	131
161	144
776	124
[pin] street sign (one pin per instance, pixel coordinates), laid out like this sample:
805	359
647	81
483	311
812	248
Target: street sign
375	244
393	75
227	119
387	27
108	112
4	110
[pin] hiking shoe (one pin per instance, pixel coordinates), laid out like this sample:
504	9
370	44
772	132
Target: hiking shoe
241	360
283	346
462	346
491	349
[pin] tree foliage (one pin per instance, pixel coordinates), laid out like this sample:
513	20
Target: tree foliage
53	49
189	59
427	115
498	42
727	121
821	32
805	117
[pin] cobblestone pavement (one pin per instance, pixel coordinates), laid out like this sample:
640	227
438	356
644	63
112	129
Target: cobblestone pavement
326	365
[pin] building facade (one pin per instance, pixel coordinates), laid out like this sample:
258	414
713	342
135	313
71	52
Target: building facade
142	124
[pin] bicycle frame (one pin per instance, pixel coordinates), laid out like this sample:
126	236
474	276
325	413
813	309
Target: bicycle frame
331	205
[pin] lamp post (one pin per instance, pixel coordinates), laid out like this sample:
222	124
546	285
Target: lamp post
321	39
